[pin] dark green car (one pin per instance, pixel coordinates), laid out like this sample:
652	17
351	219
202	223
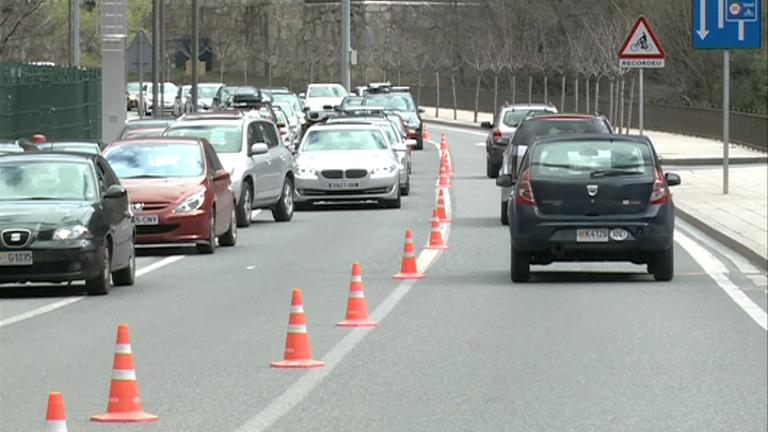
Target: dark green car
63	218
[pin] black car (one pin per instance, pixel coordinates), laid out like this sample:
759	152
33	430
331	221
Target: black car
64	217
90	147
223	98
398	99
543	126
592	198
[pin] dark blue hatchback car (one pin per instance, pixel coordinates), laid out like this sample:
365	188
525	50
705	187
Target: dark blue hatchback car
591	198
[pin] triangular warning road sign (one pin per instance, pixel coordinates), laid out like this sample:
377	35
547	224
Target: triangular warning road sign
642	43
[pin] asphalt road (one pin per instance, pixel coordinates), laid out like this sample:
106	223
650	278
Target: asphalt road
464	349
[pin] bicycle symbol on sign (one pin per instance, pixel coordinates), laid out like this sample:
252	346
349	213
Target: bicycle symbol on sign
641	44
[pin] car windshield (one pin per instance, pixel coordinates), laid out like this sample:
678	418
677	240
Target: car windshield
513	118
344	139
352	101
591	159
206	91
46	180
281	117
326	91
133	87
286	107
396	102
532	129
288	98
223	138
157	160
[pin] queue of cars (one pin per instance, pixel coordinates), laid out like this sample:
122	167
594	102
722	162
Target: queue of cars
573	190
74	211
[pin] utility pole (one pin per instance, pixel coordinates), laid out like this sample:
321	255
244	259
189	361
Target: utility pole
346	12
195	51
160	47
74	33
156	107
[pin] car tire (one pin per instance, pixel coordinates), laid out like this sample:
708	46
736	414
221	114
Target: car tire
504	213
126	276
244	209
406	189
102	283
663	265
520	266
489	168
395	203
283	209
229	238
209	245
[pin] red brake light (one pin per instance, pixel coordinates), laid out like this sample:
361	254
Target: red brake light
497	133
660	193
524	190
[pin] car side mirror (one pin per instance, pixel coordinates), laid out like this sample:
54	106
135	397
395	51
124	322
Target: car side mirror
221	174
672	179
505	180
410	143
115	191
258	148
422	110
306	109
486	125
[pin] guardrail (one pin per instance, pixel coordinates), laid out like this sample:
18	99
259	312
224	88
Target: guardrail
747	129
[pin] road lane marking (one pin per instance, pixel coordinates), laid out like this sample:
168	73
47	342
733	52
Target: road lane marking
68	301
299	390
480	144
741	263
716	271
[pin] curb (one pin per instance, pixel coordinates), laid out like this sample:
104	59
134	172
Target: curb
718	235
684	161
740	248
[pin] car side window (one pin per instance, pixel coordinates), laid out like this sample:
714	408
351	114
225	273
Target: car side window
213	160
269	134
106	172
254	134
102	175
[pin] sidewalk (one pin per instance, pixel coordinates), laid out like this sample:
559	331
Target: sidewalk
739	220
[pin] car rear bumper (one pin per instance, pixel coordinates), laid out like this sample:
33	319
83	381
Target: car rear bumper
173	228
56	265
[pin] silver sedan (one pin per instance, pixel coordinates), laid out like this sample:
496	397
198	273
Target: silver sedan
346	163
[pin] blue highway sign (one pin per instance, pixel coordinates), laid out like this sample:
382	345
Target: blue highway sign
726	24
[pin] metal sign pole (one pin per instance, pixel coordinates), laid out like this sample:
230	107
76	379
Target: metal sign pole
726	115
642	103
345	43
141	76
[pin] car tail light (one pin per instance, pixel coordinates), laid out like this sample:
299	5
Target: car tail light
497	133
524	190
411	133
660	194
283	131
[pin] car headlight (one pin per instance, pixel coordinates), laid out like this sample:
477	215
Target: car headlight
71	233
191	203
383	171
306	173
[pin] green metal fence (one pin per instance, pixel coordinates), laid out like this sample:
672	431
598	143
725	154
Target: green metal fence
59	102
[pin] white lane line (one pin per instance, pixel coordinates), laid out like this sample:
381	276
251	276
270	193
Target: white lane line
456	129
716	270
299	390
68	301
741	263
480	144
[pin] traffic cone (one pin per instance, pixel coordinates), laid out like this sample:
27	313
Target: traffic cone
357	307
298	354
55	418
425	134
443	144
408	268
124	404
445	181
441	212
445	163
436	234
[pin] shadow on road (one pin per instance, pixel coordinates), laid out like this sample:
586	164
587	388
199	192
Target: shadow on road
41	290
165	250
478	222
344	206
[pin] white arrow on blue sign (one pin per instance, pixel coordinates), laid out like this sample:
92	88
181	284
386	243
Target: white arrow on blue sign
726	24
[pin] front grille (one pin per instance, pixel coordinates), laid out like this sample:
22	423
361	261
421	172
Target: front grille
155	229
332	174
320	192
356	173
16	238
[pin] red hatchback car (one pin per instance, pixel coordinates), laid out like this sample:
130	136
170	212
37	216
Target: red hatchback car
179	191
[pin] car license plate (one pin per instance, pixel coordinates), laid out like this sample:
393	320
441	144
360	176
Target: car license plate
343	185
16	258
592	235
147	220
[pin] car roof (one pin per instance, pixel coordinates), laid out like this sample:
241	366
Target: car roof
330	126
51	156
158	140
592	137
581	117
232	115
150	122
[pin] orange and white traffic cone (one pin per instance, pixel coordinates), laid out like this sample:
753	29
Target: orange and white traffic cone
298	353
357	307
443	144
124	404
436	234
424	134
408	268
441	212
445	163
55	418
444	181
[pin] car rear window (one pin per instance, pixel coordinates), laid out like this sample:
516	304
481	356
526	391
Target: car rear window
357	139
513	118
326	91
160	160
533	129
46	180
591	159
223	138
395	102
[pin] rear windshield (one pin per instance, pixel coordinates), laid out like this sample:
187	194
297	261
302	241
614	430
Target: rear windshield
132	161
357	139
591	159
514	117
395	102
223	138
326	91
533	129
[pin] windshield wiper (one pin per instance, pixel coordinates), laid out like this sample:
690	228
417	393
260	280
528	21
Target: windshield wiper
612	173
146	176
